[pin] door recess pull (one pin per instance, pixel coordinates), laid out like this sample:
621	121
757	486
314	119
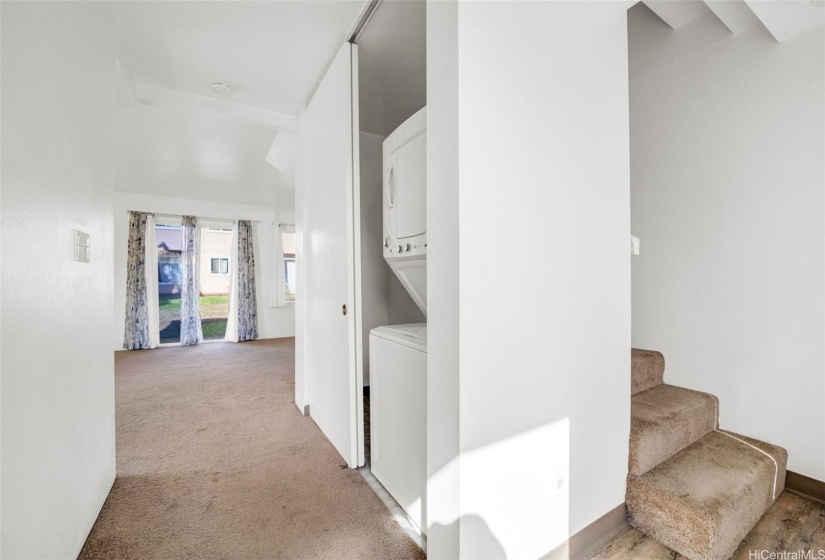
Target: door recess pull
344	309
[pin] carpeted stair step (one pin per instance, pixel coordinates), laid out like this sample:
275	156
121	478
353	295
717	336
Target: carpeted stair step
664	420
704	500
647	369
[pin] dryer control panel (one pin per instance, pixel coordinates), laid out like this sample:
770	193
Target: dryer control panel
415	246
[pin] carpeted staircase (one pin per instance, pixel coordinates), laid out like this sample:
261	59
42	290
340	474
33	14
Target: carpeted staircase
695	488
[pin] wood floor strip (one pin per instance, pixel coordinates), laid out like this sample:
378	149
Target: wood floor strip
805	486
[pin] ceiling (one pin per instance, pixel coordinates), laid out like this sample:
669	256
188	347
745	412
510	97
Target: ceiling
187	154
175	137
272	54
178	138
392	77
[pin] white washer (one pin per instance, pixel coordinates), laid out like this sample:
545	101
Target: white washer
398	415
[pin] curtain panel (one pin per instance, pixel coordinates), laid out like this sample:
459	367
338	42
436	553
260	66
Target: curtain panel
191	331
136	330
152	297
247	304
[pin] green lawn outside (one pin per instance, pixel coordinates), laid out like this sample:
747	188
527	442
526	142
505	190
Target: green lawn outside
213	311
213	330
172	303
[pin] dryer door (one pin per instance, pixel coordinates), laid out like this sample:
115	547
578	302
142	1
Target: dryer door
390	193
409	188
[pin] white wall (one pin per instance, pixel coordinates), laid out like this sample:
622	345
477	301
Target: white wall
443	397
543	178
58	417
727	178
273	322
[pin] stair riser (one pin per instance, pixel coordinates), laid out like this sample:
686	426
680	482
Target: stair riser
647	369
655	441
692	535
704	501
660	516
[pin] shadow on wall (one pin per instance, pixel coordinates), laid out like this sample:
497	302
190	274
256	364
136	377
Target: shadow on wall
526	512
482	536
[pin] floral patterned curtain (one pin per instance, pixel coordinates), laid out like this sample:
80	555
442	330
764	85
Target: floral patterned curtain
136	331
190	316
246	299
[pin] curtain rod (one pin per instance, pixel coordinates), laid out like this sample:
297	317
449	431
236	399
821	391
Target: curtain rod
212	219
156	214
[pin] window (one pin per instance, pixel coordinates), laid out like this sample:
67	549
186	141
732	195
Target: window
290	276
220	266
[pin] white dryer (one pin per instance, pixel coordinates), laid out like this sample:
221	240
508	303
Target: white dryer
398	415
405	205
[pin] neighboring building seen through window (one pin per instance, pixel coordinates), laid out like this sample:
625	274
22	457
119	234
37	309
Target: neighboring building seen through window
220	266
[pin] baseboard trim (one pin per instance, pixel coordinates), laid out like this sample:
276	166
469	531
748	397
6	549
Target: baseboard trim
604	528
805	486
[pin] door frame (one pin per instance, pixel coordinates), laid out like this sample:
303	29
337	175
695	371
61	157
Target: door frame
354	227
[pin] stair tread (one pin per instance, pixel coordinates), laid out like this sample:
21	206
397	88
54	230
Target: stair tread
702	501
664	420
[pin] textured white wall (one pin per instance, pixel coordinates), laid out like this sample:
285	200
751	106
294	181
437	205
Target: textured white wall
58	417
727	178
540	131
273	322
545	366
443	398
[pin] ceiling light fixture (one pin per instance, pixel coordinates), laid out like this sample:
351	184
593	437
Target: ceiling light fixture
221	88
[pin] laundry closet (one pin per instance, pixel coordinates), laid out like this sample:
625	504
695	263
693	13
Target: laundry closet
361	336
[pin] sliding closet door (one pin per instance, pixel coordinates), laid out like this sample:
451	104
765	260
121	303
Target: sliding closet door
334	383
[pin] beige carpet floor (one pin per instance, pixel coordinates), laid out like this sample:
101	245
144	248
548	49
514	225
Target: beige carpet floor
215	461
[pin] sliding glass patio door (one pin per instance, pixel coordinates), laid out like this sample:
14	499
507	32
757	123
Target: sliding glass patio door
169	239
215	270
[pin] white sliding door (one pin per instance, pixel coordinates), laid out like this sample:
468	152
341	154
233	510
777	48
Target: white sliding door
331	241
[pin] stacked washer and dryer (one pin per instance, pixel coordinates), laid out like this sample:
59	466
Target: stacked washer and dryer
398	353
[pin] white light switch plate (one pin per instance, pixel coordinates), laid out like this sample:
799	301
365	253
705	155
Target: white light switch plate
81	246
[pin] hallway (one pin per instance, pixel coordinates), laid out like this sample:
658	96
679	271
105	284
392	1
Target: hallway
214	460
